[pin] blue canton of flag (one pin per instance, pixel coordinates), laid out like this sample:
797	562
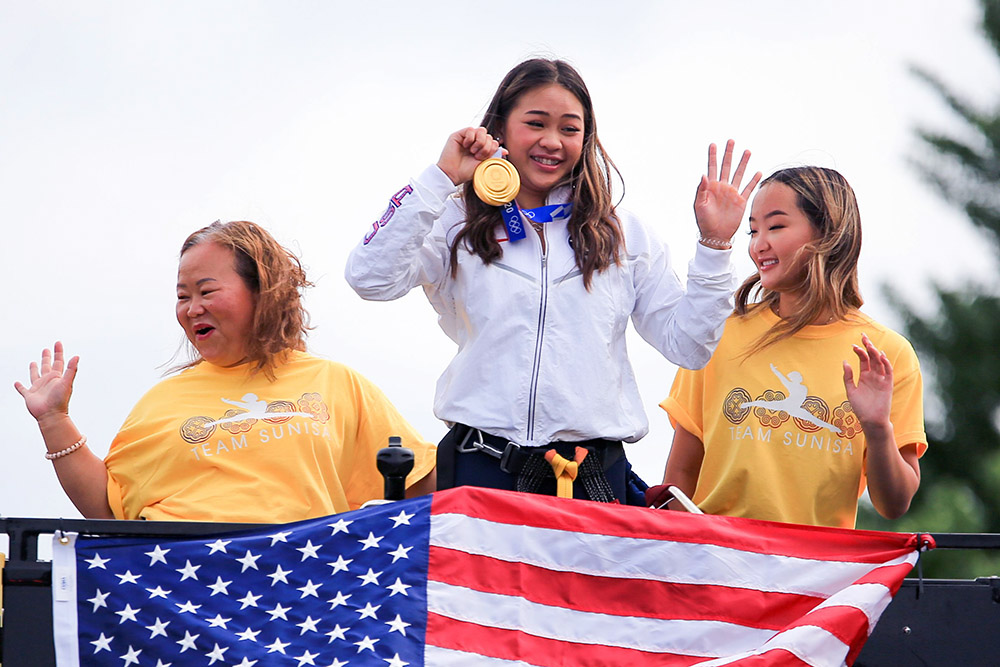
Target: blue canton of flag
343	590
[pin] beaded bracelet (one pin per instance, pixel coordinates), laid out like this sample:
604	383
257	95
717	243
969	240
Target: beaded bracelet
52	456
721	244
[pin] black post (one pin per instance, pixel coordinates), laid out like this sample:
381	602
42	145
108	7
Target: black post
395	462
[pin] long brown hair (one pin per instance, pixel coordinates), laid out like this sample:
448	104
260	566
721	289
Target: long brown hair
276	277
830	279
594	229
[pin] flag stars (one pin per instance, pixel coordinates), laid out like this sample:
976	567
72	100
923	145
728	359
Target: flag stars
188	641
309	590
366	644
370	542
337	663
219	586
249	600
216	654
128	614
128	578
340	599
279	612
340	565
277	645
400	552
158	592
279	575
97	561
157	555
398	625
368	611
246	662
280	537
309	550
99	599
159	628
218	622
187	608
131	657
395	661
401	519
160	663
189	571
103	643
337	633
398	587
218	545
369	577
308	625
306	658
248	561
248	635
340	527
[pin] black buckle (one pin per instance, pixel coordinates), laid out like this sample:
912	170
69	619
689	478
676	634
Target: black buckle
506	456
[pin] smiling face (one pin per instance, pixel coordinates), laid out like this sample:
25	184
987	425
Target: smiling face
544	136
778	230
214	306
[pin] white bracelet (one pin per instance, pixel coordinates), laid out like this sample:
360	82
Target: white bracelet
721	244
52	456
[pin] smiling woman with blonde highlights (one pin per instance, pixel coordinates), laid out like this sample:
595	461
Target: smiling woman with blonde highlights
254	428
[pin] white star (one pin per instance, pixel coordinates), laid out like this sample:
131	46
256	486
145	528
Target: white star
337	633
158	628
340	526
277	645
249	600
340	565
308	625
279	575
309	550
339	600
216	654
366	643
157	555
369	577
128	577
398	587
160	663
247	662
158	592
309	589
400	552
280	537
395	661
188	641
218	622
104	643
99	599
306	658
219	586
401	518
368	611
398	625
279	612
337	663
97	561
128	614
189	571
250	560
131	657
248	635
218	545
187	607
370	541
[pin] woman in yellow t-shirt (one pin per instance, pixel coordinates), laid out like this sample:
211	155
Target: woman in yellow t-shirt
780	425
253	429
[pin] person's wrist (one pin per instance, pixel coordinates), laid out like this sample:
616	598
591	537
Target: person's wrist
716	242
53	419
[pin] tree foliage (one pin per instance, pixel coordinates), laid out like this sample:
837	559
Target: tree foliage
959	345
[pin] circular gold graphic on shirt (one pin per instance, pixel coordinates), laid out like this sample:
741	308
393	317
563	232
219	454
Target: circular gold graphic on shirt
197	429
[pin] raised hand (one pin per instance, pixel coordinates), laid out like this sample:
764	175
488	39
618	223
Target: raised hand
871	397
719	204
464	151
51	384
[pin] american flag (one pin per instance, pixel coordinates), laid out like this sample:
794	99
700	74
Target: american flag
480	577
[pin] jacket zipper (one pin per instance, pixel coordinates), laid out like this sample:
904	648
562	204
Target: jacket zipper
539	335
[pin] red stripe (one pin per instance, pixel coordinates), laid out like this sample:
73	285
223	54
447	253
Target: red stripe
516	645
619	597
764	537
890	576
772	658
848	624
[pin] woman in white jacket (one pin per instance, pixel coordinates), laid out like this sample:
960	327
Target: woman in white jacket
541	385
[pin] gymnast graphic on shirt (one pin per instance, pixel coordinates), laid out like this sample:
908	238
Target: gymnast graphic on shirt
793	404
255	408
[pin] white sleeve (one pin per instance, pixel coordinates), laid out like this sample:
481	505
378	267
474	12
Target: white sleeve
683	324
406	246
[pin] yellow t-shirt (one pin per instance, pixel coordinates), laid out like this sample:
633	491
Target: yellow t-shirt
215	444
781	439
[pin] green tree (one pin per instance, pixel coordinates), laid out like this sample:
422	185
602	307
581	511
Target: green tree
959	345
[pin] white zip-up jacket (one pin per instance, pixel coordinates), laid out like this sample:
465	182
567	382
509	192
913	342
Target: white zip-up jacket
539	357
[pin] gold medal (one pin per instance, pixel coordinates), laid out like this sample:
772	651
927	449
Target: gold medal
496	181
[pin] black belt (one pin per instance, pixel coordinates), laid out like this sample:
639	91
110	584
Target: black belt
512	455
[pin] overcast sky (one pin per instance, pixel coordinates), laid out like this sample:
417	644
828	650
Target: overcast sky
126	125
